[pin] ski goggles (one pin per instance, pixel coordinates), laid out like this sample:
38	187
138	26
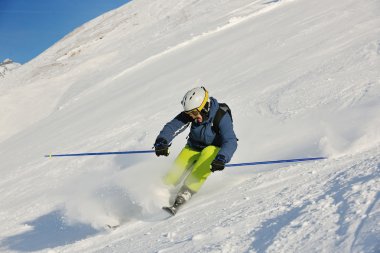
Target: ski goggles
193	112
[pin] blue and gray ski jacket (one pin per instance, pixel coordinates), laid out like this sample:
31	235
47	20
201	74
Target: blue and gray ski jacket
202	134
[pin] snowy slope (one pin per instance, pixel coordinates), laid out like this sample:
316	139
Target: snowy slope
8	65
302	79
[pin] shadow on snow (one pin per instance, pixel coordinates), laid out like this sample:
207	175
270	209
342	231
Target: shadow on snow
270	228
48	231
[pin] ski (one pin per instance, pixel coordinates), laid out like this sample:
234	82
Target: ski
170	209
112	227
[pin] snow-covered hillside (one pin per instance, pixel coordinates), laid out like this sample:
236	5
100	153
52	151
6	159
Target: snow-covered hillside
302	79
8	65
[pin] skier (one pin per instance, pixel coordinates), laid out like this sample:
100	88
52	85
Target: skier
210	145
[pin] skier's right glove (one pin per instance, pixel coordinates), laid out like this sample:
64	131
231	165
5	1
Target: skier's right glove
161	147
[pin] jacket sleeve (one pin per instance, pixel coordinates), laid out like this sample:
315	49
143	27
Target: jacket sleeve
229	140
175	127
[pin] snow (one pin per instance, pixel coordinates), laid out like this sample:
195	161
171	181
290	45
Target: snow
302	79
6	66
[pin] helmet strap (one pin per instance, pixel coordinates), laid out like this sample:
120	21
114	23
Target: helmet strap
206	108
205	111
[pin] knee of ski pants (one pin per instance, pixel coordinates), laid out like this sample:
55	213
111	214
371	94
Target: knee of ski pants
185	159
201	169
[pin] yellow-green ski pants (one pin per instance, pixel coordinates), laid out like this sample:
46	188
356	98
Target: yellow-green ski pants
198	162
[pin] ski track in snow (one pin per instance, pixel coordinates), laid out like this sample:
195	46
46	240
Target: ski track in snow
302	79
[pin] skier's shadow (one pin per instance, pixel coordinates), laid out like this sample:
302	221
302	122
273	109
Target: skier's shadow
48	231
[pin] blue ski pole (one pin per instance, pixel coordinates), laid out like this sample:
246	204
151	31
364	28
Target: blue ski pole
152	151
104	153
276	161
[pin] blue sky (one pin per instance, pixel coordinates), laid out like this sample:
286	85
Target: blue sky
28	27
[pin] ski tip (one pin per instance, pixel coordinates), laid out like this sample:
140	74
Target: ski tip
112	227
170	210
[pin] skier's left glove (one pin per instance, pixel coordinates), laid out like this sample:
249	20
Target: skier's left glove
218	163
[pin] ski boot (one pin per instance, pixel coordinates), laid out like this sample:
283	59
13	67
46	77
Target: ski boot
183	196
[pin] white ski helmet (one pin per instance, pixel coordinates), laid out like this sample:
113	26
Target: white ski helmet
195	99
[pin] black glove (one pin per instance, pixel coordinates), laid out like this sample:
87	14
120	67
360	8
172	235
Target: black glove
161	147
218	163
